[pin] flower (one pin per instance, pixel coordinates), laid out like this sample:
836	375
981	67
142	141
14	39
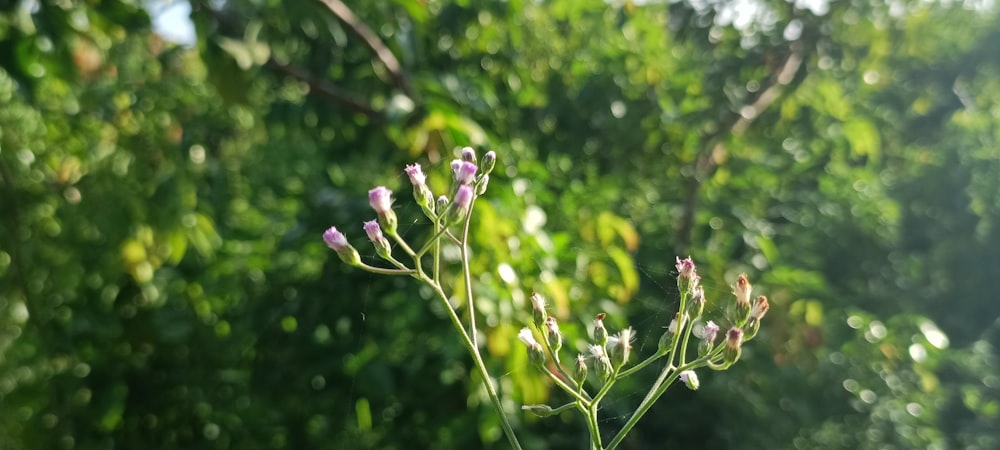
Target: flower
734	339
710	331
742	291
528	338
622	347
381	199
338	242
335	239
760	308
466	173
687	274
374	232
460	207
416	175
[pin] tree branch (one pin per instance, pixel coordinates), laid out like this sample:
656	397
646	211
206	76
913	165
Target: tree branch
327	90
708	161
382	52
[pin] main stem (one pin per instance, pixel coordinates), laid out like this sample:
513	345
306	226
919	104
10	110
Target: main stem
478	359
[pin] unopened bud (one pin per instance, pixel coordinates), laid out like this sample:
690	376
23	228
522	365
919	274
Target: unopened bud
538	410
374	232
469	154
338	243
690	379
677	323
552	336
483	183
442	203
488	162
460	207
600	333
421	193
381	201
466	173
538	314
580	370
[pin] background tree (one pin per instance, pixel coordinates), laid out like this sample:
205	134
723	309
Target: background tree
163	284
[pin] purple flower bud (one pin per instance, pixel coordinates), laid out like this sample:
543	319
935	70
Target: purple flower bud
460	207
417	177
469	154
374	232
335	239
381	199
463	197
466	173
687	275
455	165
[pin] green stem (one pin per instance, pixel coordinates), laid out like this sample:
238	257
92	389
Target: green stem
382	271
480	364
467	275
641	365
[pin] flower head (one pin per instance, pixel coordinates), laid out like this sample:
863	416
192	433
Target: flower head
335	239
552	334
742	289
338	242
620	347
538	314
460	206
535	352
374	232
687	274
416	175
760	308
710	331
527	338
600	332
381	199
468	154
466	172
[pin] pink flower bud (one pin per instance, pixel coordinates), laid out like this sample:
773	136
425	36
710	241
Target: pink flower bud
417	177
466	173
335	239
381	199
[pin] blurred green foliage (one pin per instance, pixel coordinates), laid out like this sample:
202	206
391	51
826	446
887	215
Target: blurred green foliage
163	284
